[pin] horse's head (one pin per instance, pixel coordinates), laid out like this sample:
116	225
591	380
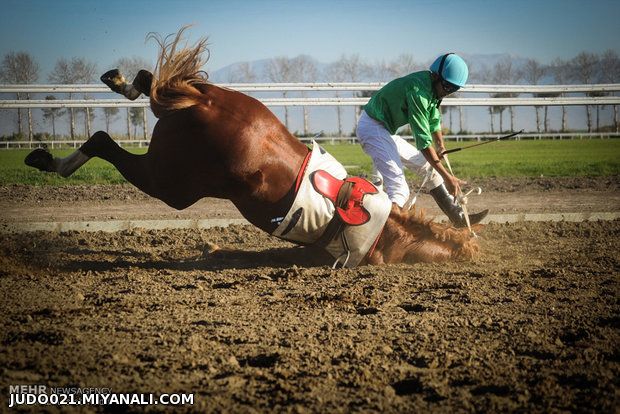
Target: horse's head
411	238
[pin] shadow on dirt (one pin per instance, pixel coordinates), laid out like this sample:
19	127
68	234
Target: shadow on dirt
218	260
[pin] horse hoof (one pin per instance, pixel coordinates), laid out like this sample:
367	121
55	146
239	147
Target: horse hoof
40	159
114	80
143	82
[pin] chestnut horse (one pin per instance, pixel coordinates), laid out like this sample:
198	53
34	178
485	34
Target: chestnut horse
215	142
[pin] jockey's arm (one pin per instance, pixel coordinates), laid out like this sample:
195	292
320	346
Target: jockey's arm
438	140
452	183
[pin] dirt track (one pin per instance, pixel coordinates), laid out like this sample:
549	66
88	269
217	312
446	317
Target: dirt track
120	202
531	325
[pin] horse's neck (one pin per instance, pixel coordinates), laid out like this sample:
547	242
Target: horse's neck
410	238
429	250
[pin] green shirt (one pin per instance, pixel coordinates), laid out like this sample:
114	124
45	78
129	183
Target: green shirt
409	99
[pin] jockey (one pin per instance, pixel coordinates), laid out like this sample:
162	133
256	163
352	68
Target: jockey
414	99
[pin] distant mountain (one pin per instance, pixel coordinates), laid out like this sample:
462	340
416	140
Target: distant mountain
227	74
233	72
489	60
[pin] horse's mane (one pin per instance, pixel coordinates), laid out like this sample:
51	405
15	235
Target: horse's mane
417	233
177	73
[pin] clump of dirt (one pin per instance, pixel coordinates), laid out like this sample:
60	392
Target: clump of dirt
532	325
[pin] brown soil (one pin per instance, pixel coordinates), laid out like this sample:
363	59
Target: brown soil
126	192
121	202
531	325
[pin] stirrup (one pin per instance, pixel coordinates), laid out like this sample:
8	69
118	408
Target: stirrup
346	260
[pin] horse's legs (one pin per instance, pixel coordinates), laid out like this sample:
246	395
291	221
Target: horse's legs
44	161
68	165
133	167
141	84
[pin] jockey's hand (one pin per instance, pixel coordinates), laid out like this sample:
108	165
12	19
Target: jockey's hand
453	185
440	151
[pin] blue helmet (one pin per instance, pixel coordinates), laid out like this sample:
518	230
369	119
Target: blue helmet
452	68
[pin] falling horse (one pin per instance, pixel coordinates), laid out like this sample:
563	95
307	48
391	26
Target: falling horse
211	141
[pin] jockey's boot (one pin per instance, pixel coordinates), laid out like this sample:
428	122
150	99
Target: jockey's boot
116	81
454	212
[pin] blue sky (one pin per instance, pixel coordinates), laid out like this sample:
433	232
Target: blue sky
103	31
239	30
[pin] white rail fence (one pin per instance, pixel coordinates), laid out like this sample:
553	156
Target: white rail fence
543	95
539	95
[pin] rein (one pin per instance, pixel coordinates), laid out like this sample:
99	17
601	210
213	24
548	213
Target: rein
302	170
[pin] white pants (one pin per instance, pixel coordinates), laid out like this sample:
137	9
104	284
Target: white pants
389	153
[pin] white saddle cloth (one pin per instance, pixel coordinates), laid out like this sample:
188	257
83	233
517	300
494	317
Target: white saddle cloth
311	212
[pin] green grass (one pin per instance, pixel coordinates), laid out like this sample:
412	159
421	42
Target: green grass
96	171
549	158
501	159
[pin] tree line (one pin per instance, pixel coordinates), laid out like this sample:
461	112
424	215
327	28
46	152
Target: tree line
585	68
22	68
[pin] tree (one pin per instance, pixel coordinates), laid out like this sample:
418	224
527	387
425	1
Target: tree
20	68
51	114
62	74
484	76
381	71
403	65
353	69
243	73
333	73
85	73
89	117
280	69
533	72
503	73
69	72
583	68
610	73
109	113
129	67
561	73
135	116
304	70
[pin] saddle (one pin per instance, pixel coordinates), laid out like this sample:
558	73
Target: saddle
344	216
348	198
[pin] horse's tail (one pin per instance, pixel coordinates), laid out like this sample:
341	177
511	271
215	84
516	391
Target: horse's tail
177	74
